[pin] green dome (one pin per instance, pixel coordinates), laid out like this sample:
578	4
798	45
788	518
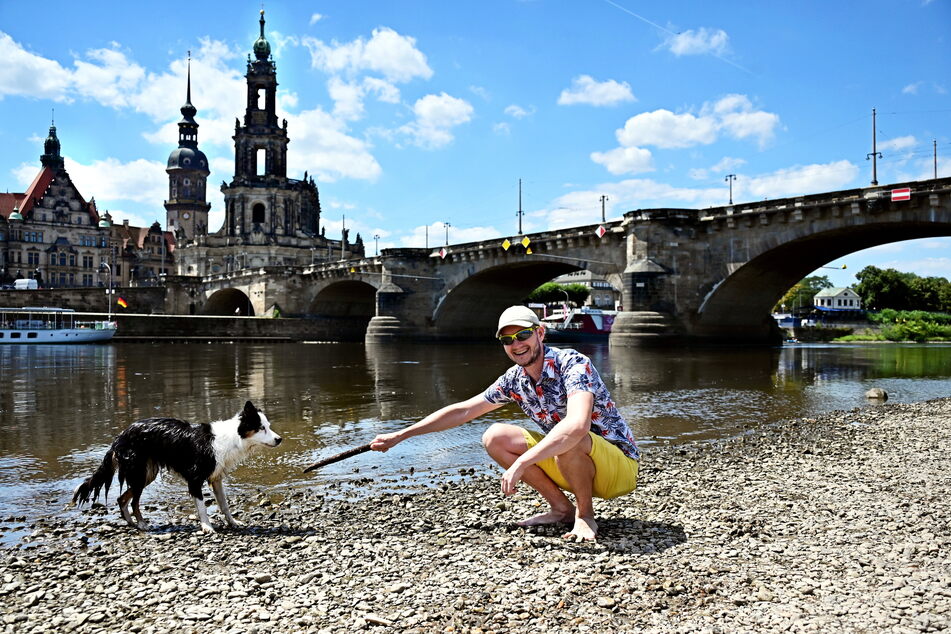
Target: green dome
262	50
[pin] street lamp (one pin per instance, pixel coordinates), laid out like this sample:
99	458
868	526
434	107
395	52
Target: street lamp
108	291
730	178
376	247
447	225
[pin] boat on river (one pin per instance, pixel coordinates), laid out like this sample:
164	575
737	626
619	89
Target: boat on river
579	324
43	324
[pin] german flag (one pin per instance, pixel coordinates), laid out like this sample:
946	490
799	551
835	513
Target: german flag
122	302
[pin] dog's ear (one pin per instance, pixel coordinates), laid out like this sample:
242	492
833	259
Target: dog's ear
250	420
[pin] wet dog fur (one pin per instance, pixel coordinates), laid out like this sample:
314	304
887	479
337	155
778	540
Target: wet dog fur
198	453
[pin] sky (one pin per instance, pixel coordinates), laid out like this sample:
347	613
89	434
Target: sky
417	114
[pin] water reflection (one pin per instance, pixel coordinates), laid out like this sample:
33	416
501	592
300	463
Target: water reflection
62	405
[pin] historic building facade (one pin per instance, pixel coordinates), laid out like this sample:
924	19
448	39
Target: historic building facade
270	219
51	233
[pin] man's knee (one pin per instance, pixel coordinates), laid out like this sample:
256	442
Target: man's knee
503	436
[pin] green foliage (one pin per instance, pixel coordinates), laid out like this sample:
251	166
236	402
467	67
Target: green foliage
550	292
802	293
913	325
888	288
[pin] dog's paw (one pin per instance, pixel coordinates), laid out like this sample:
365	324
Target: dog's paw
208	529
233	523
142	526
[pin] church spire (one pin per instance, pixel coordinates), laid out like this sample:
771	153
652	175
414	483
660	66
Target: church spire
262	49
188	110
51	150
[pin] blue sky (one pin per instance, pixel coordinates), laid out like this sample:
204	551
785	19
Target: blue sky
416	113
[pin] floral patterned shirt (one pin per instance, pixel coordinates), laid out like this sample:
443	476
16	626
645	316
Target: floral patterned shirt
564	372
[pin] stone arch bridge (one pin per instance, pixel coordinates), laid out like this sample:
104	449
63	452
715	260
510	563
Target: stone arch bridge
685	274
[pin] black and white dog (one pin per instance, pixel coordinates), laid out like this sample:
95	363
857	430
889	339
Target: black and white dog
196	452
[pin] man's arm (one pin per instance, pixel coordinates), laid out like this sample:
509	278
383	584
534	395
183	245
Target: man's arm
440	420
566	434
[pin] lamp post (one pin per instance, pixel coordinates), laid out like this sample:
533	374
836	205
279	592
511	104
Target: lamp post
603	200
376	247
447	225
108	291
730	178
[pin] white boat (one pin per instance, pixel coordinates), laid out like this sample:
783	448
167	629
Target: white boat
42	324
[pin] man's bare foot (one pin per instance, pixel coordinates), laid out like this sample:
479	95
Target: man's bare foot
584	530
551	517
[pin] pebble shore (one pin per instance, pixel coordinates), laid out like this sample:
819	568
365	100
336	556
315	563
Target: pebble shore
836	523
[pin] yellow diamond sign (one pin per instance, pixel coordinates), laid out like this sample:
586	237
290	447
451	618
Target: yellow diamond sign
526	242
506	244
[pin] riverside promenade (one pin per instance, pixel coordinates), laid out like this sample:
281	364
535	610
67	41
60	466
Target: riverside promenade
835	523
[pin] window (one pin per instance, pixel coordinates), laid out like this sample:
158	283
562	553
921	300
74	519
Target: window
261	158
259	97
257	213
87	261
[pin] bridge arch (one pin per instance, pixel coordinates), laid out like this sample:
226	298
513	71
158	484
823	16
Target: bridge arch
228	302
471	308
744	299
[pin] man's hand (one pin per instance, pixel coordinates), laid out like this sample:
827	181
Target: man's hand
384	442
511	478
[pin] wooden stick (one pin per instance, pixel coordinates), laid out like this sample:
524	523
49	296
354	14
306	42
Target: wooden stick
349	453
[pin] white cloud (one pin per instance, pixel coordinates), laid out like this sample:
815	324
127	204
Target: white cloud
898	144
585	90
625	160
347	97
387	52
924	267
735	114
26	74
664	129
437	235
721	167
436	115
700	42
385	91
912	89
502	128
796	180
323	147
519	112
732	115
480	92
315	18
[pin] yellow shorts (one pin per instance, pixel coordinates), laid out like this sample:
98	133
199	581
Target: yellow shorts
614	473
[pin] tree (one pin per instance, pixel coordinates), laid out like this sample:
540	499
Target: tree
550	293
888	288
801	295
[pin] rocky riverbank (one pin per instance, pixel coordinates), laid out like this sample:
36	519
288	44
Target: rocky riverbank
838	523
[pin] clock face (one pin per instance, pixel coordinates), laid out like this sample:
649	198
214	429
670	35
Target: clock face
186	215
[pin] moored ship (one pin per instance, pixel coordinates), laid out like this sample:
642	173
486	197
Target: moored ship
43	324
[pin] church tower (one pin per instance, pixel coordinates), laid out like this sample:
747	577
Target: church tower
186	209
263	205
51	157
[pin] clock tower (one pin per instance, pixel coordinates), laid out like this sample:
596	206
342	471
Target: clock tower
186	210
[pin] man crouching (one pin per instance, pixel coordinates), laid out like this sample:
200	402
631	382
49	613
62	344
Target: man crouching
587	448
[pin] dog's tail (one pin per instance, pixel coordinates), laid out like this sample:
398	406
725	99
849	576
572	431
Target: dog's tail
98	481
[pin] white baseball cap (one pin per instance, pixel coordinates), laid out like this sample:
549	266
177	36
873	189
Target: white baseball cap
517	316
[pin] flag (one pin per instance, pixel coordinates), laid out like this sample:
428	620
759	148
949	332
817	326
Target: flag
122	302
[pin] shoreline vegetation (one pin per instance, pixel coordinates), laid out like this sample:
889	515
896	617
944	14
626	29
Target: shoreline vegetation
832	523
886	326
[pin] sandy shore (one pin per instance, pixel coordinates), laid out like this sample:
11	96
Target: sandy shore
837	523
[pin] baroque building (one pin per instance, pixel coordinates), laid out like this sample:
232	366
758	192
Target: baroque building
269	219
51	233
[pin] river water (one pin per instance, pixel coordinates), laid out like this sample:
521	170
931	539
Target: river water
61	406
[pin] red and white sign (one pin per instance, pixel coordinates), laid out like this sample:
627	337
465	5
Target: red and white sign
443	252
600	231
901	194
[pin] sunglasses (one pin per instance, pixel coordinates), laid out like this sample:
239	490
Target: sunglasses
521	335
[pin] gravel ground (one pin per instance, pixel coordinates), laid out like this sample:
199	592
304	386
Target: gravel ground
836	523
